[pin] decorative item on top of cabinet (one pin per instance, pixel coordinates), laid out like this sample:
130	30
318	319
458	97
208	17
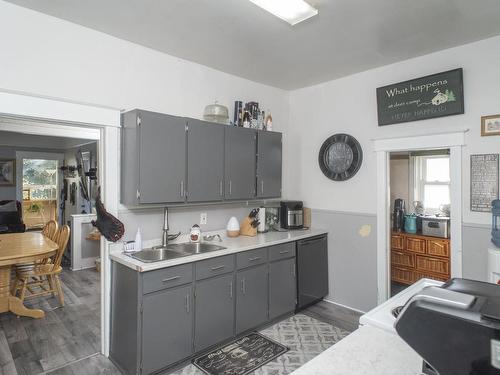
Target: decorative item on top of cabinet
216	113
414	256
340	157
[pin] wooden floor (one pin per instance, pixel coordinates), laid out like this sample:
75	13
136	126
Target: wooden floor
334	314
66	335
67	340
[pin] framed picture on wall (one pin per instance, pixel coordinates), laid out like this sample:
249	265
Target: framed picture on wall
490	125
7	172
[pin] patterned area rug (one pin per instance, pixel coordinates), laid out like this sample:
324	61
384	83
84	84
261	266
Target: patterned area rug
305	337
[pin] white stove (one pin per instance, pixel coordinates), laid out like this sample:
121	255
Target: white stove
382	317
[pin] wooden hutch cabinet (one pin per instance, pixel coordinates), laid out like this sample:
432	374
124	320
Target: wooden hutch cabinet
414	257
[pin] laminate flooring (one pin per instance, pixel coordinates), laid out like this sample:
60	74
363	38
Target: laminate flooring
67	340
66	334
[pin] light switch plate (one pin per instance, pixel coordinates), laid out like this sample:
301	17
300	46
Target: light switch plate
203	218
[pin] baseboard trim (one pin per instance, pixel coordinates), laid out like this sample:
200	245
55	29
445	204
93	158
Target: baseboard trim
344	306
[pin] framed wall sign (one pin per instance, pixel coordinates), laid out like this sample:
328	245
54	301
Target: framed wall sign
340	157
490	125
483	181
423	98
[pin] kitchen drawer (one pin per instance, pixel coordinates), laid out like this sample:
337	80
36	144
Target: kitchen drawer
416	245
283	251
251	258
397	241
427	275
439	248
402	275
214	266
167	278
433	265
399	258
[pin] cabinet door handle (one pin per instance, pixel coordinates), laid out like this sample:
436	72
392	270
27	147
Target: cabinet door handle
254	259
217	268
293	270
284	252
220	188
182	188
231	290
243	287
170	279
187	303
230	187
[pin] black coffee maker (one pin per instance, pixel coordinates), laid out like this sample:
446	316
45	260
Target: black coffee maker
398	217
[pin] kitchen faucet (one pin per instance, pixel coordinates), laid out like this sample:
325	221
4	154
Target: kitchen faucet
165	236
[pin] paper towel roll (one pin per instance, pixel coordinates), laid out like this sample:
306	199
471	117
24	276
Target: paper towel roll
262	220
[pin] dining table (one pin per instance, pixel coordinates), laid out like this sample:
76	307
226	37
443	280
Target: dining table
21	248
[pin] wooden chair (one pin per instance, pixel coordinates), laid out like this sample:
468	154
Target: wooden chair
50	229
44	279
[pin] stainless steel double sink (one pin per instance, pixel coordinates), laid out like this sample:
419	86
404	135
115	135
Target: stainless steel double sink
172	251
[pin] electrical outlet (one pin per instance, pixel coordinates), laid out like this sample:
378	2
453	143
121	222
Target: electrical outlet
203	218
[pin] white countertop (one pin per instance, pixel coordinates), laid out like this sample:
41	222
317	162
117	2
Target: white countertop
366	351
232	245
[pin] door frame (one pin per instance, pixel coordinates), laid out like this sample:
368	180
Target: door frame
454	141
39	115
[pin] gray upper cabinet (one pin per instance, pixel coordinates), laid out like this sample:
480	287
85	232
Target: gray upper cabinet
205	161
240	163
153	158
167	328
251	297
175	160
268	164
214	317
282	287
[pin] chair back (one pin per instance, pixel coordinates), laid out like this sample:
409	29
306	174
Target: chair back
62	238
50	229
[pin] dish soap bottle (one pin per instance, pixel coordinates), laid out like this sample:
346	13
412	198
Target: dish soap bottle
138	240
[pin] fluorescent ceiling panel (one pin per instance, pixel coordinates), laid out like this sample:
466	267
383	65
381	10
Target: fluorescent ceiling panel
291	11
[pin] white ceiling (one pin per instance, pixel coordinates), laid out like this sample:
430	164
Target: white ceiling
237	37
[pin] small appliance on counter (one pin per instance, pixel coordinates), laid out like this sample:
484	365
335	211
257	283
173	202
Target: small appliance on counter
292	214
398	217
233	227
436	226
455	328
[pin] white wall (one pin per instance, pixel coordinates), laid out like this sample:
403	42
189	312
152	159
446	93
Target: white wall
400	178
349	105
51	57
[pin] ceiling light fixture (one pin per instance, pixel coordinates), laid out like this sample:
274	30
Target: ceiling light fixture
291	11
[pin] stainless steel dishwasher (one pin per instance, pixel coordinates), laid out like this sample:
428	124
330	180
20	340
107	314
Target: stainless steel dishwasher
312	271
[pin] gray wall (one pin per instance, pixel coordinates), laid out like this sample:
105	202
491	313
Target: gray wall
7	192
352	257
476	239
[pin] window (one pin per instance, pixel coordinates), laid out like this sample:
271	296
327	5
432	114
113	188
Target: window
40	178
432	181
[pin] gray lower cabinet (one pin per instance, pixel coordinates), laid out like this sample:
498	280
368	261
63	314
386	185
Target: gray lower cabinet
167	328
153	164
240	163
162	317
214	306
282	287
268	164
251	297
205	161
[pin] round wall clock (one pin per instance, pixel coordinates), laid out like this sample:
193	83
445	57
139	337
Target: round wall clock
340	157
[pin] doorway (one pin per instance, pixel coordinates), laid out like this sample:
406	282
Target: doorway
383	147
420	187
